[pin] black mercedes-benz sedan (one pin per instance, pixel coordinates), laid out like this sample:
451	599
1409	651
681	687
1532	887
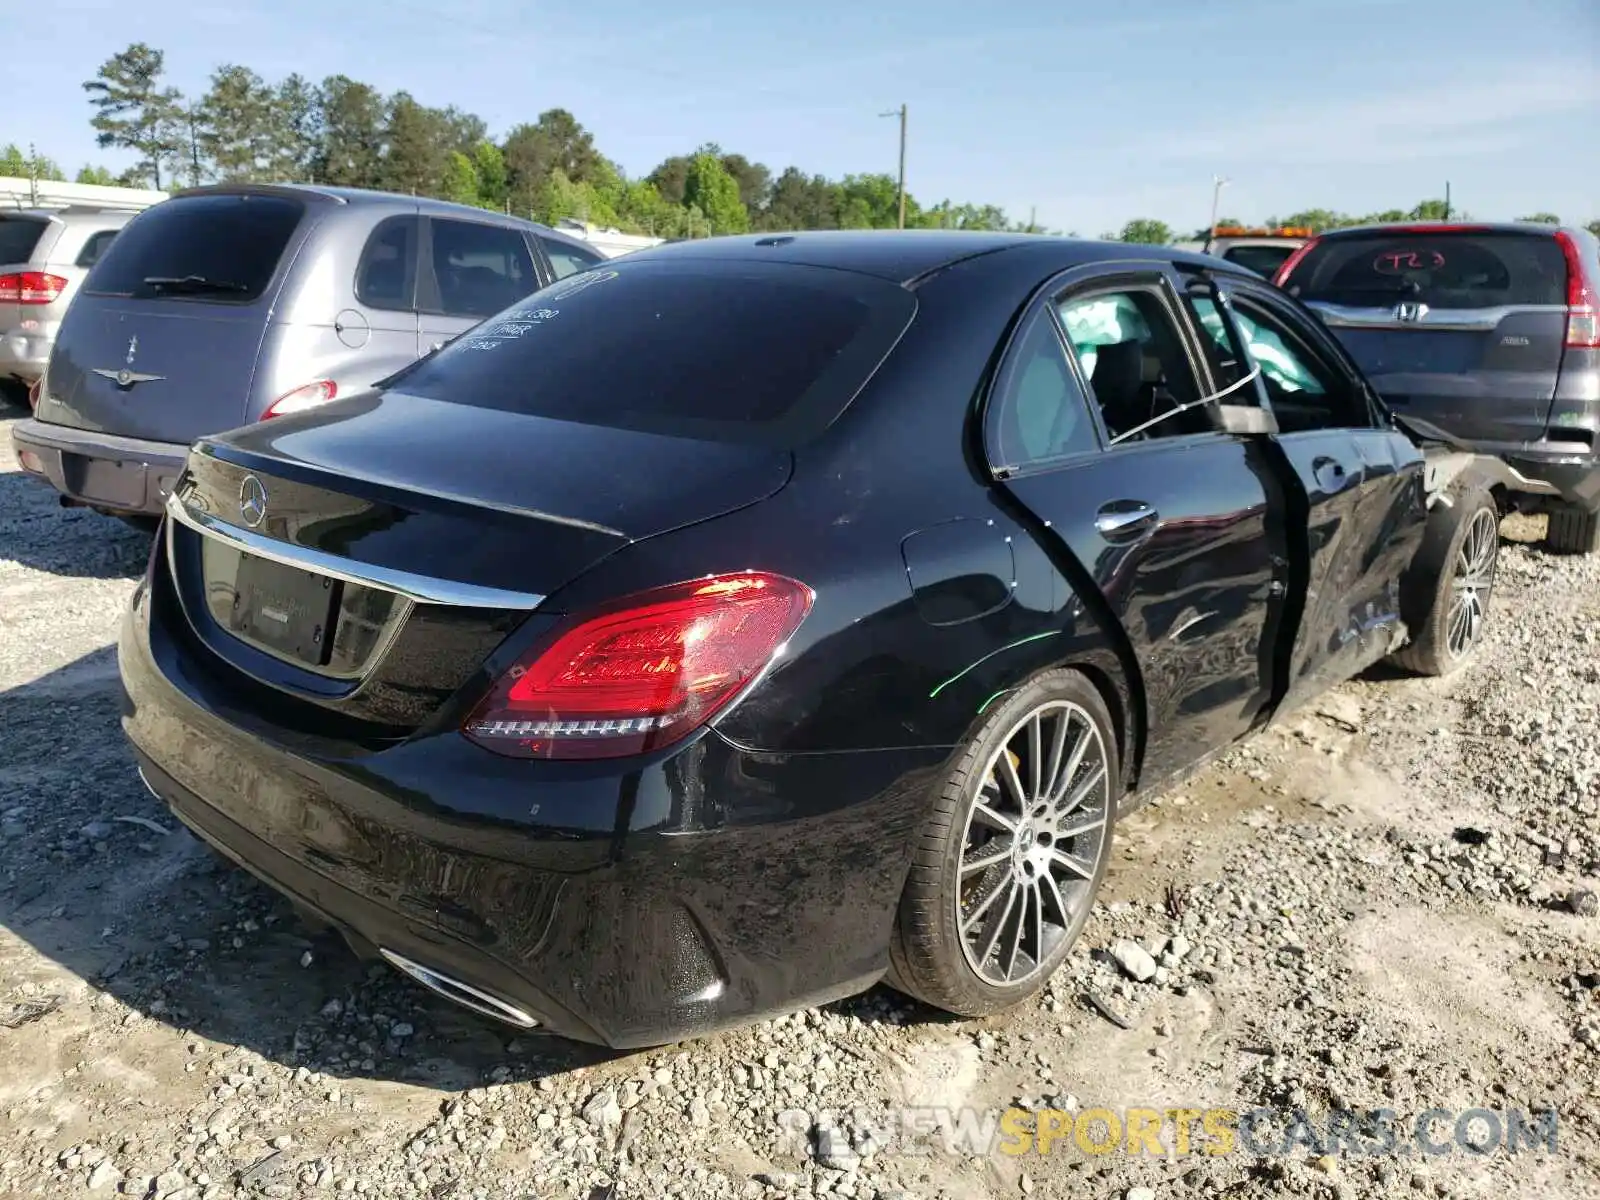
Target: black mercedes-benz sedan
732	626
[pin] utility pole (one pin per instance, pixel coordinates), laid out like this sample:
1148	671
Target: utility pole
1217	184
901	113
1446	199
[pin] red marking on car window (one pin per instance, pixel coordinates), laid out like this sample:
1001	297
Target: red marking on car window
1397	262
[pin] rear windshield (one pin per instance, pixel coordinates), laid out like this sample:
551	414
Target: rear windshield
1441	270
730	351
218	248
1263	260
18	237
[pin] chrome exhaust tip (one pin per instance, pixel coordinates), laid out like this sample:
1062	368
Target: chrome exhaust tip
463	994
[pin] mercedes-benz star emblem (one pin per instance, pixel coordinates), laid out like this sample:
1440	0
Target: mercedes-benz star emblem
252	501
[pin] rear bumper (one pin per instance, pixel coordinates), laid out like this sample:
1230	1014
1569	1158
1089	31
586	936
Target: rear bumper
24	354
619	904
1569	470
102	470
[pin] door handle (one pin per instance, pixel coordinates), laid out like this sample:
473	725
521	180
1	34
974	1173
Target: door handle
1123	520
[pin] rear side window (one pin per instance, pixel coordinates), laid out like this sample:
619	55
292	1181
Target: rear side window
1441	270
94	247
18	237
479	269
218	248
387	275
750	352
566	259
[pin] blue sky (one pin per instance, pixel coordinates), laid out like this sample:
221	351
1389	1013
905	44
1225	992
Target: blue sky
1087	115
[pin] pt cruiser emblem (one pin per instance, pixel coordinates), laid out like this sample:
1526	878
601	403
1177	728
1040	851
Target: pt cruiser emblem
126	378
252	501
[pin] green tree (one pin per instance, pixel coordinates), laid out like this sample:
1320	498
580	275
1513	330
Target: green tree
490	165
416	150
556	141
298	130
133	111
14	162
239	125
753	178
1432	210
672	176
461	182
99	176
352	134
1593	227
715	193
800	201
1146	231
1542	218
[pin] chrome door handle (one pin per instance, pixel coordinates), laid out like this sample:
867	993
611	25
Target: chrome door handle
1124	518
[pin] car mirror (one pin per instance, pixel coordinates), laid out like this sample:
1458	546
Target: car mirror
1246	419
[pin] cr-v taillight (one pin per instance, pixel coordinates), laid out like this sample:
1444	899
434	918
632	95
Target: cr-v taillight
307	395
1583	297
642	672
1293	261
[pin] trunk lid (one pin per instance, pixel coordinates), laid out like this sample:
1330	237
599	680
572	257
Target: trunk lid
161	341
163	371
1465	329
399	539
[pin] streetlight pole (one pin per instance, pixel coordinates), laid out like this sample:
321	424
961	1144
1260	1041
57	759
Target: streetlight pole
1217	184
901	113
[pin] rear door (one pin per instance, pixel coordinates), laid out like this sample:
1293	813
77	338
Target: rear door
1464	328
470	270
162	339
1360	503
1179	525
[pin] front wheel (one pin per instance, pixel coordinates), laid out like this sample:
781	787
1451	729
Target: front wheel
1448	588
1007	868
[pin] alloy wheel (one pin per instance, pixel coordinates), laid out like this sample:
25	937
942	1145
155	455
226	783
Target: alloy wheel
1032	845
1472	584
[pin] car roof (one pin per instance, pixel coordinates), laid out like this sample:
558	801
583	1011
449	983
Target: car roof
365	197
905	255
1468	227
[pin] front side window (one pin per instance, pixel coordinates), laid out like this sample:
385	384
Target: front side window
1129	348
1040	410
566	259
480	269
1304	391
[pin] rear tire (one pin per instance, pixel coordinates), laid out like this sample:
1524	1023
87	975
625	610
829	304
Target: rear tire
1573	530
1006	870
1446	593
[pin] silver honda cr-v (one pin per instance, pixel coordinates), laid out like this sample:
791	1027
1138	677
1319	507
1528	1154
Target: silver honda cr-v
231	304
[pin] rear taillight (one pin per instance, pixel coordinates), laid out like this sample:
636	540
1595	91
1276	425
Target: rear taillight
1583	297
307	395
31	287
641	673
1293	261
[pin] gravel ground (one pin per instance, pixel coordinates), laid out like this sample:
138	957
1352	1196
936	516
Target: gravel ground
1375	904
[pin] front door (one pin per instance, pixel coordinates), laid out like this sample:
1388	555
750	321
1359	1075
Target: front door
1172	525
1361	489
